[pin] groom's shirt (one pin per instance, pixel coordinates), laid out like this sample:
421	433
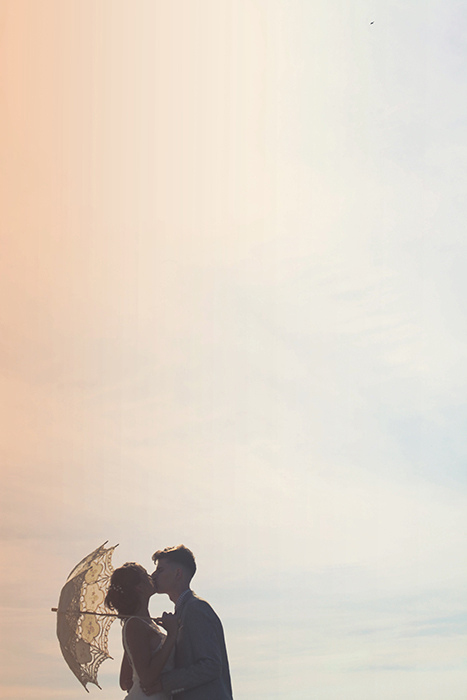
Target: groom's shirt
180	600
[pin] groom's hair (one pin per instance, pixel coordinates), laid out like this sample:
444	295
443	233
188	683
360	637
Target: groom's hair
177	555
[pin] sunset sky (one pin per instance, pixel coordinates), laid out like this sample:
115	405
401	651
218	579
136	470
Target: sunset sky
232	307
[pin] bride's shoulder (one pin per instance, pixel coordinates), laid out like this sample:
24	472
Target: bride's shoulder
136	626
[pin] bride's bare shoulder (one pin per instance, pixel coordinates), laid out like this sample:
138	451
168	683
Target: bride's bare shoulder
136	627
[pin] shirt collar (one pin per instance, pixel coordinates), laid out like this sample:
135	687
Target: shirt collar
181	599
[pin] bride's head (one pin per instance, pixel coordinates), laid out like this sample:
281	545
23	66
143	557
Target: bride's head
130	588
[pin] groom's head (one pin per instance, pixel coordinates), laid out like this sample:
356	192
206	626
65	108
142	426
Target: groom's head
175	567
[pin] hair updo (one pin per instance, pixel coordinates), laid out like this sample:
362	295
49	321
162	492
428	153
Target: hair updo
122	595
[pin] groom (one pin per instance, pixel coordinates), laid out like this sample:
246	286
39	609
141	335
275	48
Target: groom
201	667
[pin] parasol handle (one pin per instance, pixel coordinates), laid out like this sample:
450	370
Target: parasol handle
88	612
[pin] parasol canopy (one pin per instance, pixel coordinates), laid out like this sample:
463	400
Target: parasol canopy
83	621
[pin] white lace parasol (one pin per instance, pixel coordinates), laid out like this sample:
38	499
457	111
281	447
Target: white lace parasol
83	621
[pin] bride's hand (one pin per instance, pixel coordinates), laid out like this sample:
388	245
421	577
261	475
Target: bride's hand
170	623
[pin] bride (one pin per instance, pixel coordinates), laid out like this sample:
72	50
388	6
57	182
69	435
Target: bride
148	650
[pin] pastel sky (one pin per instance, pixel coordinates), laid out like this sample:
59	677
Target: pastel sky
232	301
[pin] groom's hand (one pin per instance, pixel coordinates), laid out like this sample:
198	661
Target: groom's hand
156	688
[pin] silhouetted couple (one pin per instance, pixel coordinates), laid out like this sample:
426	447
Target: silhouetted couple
189	659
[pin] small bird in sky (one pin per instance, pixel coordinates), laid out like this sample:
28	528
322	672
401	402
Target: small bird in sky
372	22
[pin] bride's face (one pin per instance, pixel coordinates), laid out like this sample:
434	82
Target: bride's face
146	585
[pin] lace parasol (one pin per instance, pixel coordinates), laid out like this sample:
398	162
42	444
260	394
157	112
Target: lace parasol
83	621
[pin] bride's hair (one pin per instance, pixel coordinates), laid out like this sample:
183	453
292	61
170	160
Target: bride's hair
122	595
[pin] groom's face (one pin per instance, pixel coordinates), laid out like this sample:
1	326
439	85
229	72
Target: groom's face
164	576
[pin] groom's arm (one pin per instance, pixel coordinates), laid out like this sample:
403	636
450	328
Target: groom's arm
202	633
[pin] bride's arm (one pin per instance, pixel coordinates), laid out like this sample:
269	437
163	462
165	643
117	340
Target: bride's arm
126	673
138	636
